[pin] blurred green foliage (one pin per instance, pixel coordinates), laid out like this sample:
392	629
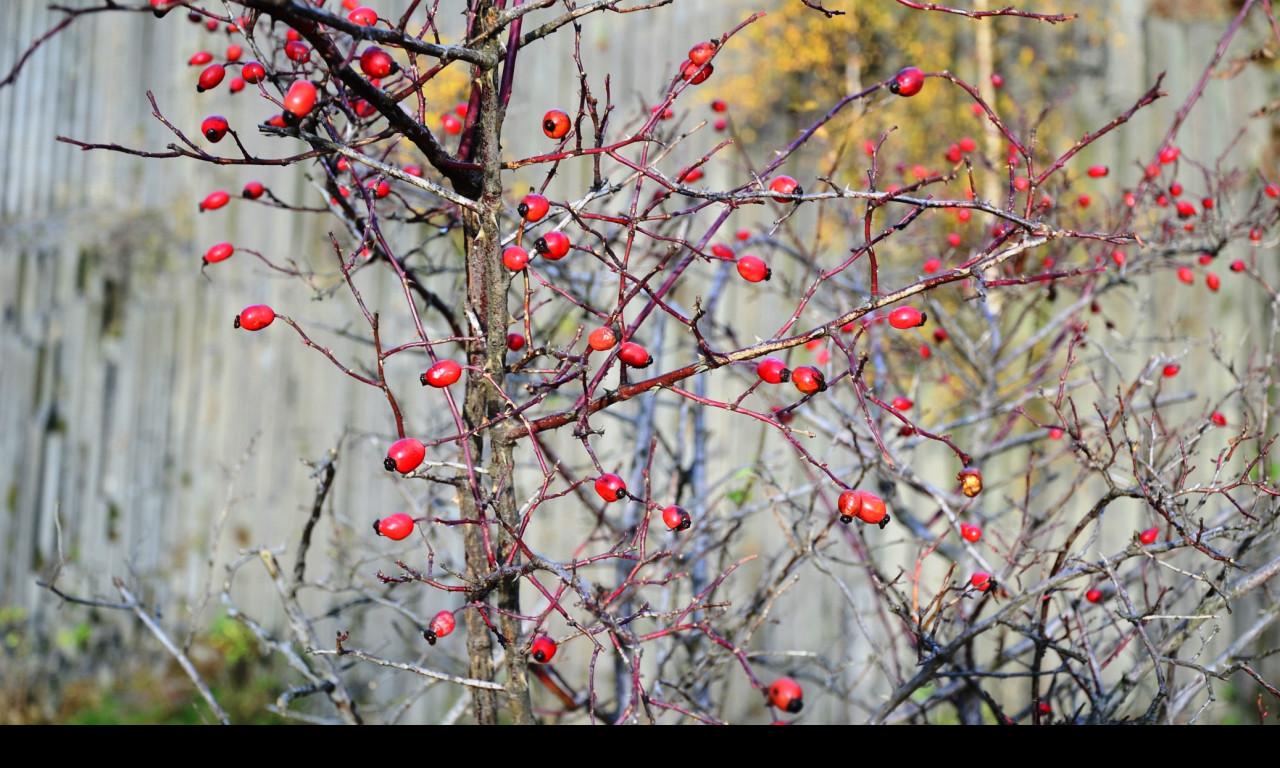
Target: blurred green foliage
83	678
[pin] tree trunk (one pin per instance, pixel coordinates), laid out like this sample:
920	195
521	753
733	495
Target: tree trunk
489	547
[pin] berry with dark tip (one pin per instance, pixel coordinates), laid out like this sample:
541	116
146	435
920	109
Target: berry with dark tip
784	185
634	355
441	626
214	200
809	380
556	124
543	649
255	318
405	455
533	207
553	245
787	695
773	371
907	82
442	374
219	252
753	269
610	487
214	128
676	518
397	526
907	317
210	77
299	100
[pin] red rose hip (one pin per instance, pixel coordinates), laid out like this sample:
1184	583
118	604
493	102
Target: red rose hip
441	626
809	380
299	100
773	371
533	207
375	62
365	17
555	124
850	505
219	252
515	258
787	695
405	455
610	487
873	511
702	53
442	374
210	77
753	269
214	200
253	72
255	318
907	82
634	355
296	50
214	128
543	649
397	526
784	185
601	339
907	317
553	245
676	518
695	73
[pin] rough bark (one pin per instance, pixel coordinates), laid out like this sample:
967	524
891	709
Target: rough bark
488	283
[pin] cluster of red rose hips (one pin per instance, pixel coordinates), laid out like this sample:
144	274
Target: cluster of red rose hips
407	454
611	487
553	245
